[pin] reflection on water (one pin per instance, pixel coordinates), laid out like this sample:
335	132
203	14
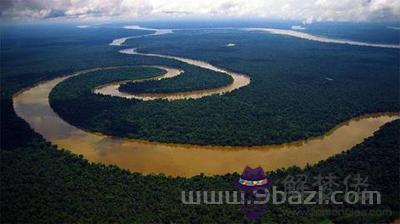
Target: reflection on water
157	32
183	160
322	39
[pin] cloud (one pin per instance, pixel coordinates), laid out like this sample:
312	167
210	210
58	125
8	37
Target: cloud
306	10
179	13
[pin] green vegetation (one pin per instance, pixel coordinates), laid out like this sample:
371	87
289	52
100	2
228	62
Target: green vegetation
33	53
77	91
98	78
195	79
40	182
298	89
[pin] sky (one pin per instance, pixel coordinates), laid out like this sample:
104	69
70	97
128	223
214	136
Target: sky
307	11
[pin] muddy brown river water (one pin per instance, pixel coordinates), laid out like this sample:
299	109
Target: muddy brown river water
178	159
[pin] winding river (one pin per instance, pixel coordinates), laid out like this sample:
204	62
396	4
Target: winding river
239	81
311	37
112	89
179	159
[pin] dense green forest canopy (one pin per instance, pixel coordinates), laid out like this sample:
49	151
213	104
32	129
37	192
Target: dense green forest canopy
193	79
298	89
94	79
41	182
